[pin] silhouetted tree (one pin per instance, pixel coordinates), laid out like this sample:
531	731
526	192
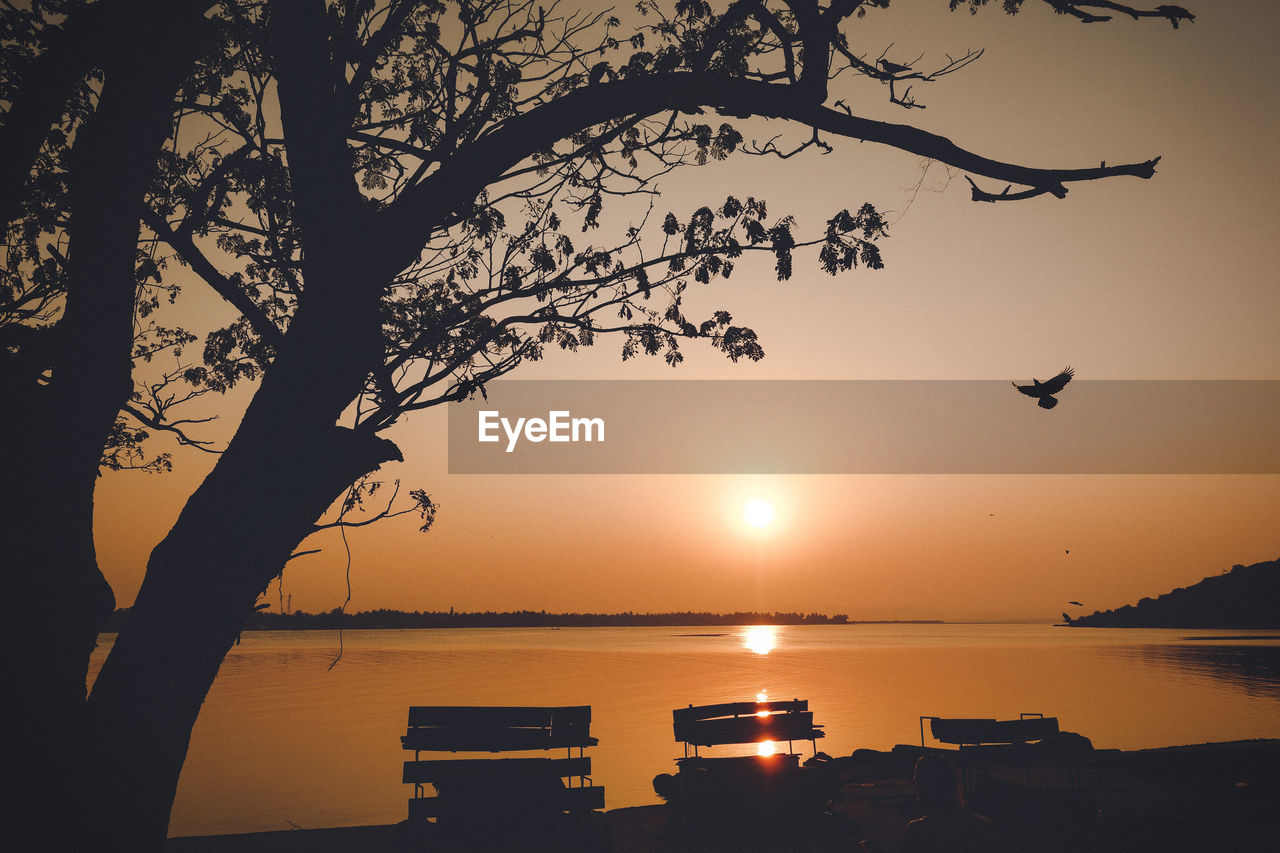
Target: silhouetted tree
396	221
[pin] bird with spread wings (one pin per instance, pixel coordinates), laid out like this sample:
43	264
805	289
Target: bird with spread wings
1044	391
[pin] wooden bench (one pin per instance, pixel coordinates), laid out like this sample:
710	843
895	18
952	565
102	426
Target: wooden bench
470	790
990	741
747	786
745	722
982	732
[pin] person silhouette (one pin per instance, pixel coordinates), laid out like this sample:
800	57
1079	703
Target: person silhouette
947	826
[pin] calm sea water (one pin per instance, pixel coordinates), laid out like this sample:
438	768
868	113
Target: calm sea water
284	741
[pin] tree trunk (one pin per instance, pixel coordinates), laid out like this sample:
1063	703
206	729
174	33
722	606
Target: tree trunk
57	601
285	466
234	535
59	598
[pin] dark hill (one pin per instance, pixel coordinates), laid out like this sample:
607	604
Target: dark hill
1245	597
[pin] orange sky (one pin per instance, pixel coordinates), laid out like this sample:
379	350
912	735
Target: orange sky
1171	278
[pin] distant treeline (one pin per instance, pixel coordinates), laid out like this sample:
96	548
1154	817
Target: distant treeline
1244	597
266	621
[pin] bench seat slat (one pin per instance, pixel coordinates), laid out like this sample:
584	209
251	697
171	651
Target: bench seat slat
447	769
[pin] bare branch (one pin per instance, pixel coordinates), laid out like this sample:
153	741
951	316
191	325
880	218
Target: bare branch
1173	14
150	419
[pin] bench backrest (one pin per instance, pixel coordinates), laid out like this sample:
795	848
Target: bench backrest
744	722
963	731
458	728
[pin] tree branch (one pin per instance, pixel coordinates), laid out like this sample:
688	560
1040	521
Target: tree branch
483	162
181	242
149	420
1174	14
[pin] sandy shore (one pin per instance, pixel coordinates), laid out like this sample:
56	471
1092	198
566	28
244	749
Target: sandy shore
1206	797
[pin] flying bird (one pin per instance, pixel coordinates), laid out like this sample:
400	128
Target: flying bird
1044	391
1076	603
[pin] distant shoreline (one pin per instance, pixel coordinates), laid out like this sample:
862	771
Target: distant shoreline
399	619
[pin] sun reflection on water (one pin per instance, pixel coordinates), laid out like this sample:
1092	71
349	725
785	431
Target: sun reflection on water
766	747
760	639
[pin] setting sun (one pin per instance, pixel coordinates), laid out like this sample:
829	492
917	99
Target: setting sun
760	639
758	513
